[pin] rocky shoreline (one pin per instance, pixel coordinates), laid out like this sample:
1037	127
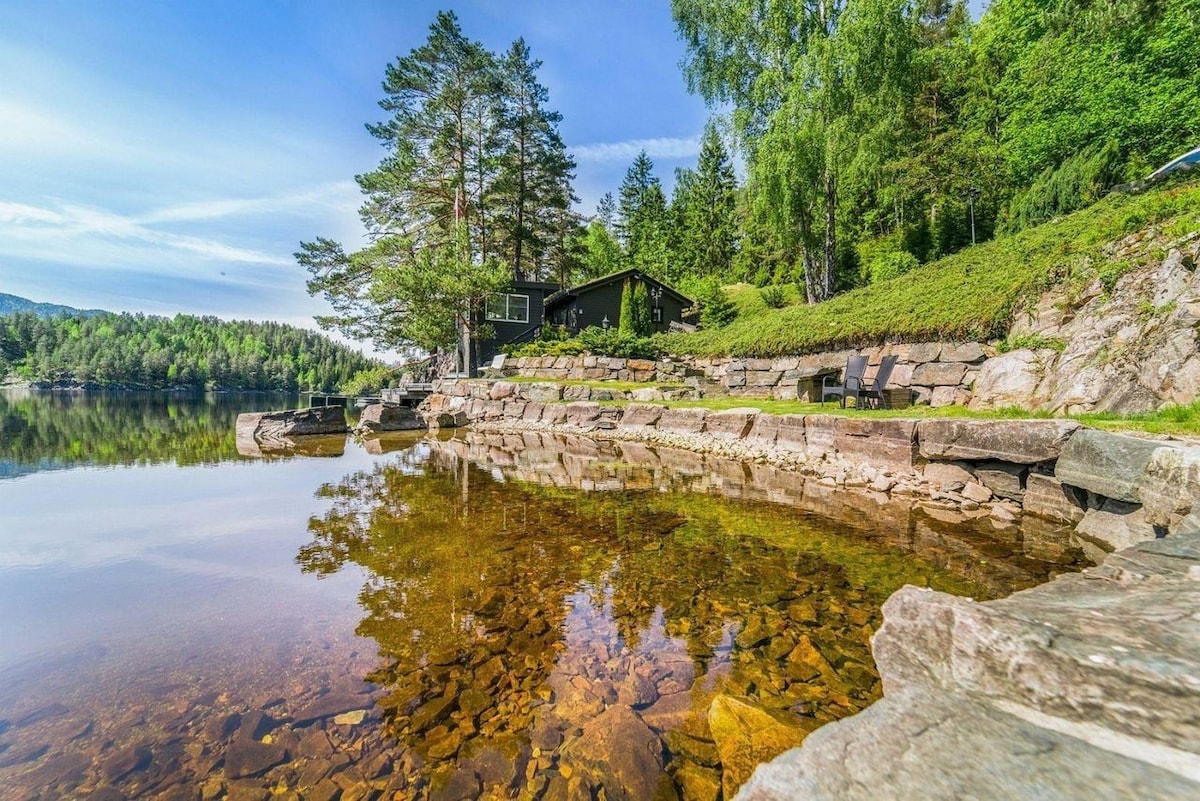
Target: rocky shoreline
1114	490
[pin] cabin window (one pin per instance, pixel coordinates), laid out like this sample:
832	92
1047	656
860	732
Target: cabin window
508	308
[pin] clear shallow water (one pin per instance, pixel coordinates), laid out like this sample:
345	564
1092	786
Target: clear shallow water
412	617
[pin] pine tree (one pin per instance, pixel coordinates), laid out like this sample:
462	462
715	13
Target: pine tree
533	189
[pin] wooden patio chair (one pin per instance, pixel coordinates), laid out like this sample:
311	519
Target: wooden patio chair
852	381
874	394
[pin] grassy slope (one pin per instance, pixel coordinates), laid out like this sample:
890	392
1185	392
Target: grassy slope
968	296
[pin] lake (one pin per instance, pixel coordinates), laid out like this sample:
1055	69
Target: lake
413	616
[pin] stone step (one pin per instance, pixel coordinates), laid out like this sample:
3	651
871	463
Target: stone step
929	744
1115	646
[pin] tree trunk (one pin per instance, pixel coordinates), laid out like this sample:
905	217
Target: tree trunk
830	248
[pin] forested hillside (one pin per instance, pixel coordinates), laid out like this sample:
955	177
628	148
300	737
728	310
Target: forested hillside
139	351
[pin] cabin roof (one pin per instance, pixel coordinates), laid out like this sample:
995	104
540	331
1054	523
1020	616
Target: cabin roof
564	295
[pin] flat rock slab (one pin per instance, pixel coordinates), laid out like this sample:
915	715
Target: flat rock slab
883	443
292	423
924	745
1119	653
1107	464
1017	441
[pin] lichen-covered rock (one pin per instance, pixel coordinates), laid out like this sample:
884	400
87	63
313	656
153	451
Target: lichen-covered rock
921	745
1046	497
882	443
683	421
1113	525
1112	465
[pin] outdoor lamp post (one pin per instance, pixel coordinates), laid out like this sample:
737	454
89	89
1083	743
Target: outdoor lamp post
605	322
972	196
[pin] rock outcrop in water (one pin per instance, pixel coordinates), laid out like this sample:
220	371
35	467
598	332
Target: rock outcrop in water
262	426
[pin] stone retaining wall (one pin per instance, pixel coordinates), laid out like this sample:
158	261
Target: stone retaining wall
931	372
1113	490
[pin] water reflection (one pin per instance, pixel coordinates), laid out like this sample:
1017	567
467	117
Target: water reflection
542	639
59	430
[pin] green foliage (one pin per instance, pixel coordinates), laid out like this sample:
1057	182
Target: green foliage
1031	342
971	295
601	251
553	347
368	382
1079	181
145	352
716	309
612	342
626	324
863	120
892	265
642	325
774	296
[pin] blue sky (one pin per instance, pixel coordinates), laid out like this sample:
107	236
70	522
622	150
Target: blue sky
169	156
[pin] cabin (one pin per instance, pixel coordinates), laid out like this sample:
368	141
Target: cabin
598	302
517	316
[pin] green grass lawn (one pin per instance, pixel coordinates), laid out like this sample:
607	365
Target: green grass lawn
971	295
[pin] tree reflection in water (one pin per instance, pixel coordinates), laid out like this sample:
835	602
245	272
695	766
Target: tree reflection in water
515	619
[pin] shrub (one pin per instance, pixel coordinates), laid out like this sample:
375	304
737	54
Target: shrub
774	296
892	265
626	322
716	309
614	342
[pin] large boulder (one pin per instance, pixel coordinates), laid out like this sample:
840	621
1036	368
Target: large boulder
292	423
389	417
640	416
683	421
1114	646
923	745
1010	379
1111	465
1016	441
731	423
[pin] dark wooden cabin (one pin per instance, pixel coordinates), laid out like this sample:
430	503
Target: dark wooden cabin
598	302
515	316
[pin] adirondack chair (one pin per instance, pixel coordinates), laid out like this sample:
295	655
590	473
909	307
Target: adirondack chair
873	394
852	381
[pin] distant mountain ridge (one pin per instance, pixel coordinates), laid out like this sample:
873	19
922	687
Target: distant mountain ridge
10	304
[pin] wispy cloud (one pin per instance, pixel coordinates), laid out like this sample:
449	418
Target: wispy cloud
23	223
339	195
660	147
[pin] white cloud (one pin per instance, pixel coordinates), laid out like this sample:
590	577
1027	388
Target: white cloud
80	234
339	195
660	147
